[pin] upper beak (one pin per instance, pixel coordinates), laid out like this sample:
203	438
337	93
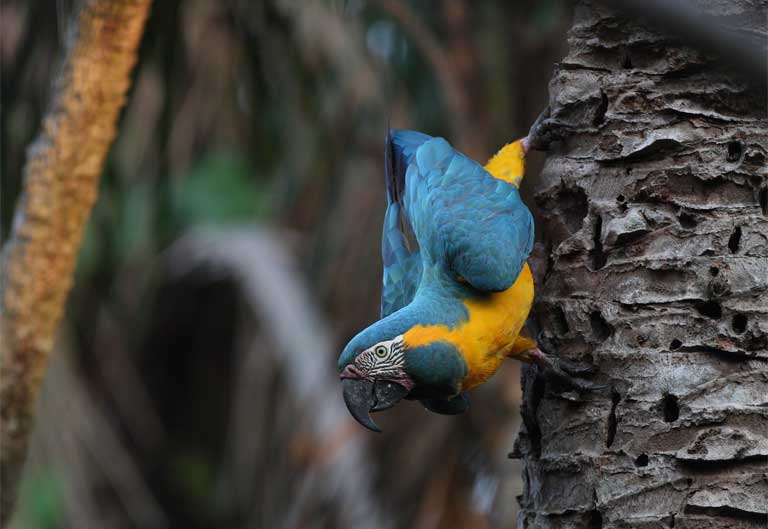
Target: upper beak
362	397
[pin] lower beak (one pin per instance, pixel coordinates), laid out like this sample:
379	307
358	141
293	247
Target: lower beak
362	397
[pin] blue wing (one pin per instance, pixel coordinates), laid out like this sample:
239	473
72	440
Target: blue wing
466	222
402	265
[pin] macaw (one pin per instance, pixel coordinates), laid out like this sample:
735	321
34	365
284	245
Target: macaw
453	305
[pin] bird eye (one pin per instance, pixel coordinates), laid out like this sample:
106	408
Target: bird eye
380	351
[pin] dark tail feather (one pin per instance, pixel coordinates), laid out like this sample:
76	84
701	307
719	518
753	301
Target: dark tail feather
394	188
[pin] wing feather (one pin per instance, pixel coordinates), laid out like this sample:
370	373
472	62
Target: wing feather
401	258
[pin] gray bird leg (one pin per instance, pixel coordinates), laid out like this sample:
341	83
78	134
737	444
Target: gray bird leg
568	373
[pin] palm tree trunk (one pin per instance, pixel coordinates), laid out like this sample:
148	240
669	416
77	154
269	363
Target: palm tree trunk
656	272
61	180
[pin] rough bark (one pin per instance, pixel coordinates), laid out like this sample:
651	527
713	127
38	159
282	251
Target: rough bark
655	271
60	186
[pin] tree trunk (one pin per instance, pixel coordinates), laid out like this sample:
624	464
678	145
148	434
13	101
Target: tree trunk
653	208
61	180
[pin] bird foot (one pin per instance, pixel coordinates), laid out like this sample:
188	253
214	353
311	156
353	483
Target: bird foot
566	372
545	131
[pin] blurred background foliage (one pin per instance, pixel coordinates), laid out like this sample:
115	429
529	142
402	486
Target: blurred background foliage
234	249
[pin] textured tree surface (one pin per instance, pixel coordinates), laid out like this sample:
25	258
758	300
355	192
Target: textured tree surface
655	271
60	185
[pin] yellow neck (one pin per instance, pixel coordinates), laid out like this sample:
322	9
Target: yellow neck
487	336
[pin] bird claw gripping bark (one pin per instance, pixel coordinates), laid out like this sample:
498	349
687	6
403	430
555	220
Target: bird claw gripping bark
566	372
545	131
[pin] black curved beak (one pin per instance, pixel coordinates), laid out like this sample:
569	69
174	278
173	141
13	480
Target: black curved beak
362	397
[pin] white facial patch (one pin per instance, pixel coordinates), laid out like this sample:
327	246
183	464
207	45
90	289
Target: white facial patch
383	359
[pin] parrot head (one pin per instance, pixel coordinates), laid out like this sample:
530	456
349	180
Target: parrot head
377	371
376	380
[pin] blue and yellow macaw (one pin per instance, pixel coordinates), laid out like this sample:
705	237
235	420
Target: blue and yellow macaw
453	307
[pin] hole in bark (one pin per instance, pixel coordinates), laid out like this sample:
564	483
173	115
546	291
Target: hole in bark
675	345
642	460
600	328
595	519
627	238
739	323
613	421
711	309
601	109
726	511
757	343
559	322
762	197
550	265
687	220
735	150
735	240
621	198
672	521
657	150
626	62
671	408
713	271
574	205
534	386
597	256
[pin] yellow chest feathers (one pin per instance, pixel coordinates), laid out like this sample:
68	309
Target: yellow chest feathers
489	333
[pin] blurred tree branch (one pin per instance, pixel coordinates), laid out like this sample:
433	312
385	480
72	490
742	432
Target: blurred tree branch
60	186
